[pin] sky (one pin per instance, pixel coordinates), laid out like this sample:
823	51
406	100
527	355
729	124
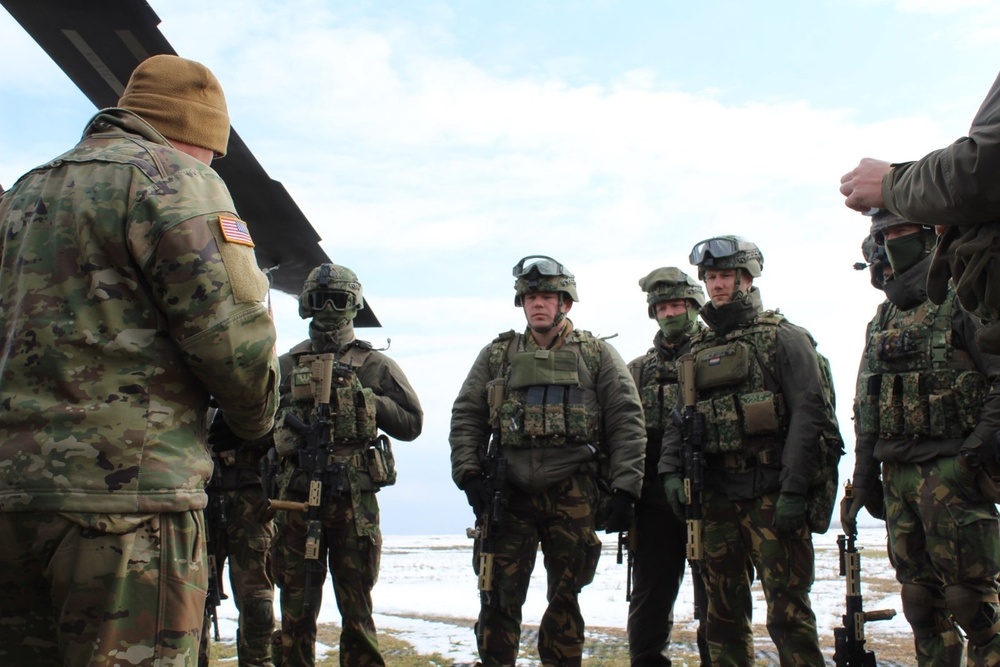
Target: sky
434	144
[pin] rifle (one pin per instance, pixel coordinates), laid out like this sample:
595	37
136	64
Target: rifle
488	523
215	518
692	427
314	458
849	640
628	542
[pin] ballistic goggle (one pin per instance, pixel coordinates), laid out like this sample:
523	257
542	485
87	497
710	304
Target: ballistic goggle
317	300
718	247
545	266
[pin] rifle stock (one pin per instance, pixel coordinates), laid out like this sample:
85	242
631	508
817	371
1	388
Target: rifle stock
849	639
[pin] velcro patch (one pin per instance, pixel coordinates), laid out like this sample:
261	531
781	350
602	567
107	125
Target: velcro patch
235	231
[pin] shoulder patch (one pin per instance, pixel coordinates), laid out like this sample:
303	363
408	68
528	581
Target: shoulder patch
235	230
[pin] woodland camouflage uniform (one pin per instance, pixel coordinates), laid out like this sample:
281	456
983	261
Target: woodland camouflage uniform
351	544
928	411
555	439
759	463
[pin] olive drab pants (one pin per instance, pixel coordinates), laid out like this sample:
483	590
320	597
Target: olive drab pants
732	532
561	519
944	542
660	560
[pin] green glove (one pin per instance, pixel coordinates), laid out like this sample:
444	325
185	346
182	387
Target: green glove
673	486
849	508
789	513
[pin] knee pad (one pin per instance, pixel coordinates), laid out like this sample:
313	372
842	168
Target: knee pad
924	611
260	615
976	612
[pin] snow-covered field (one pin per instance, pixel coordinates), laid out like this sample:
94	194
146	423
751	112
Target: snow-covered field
432	576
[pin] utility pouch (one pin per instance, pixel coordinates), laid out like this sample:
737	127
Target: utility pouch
534	412
555	412
302	384
760	413
897	344
381	462
722	366
544	367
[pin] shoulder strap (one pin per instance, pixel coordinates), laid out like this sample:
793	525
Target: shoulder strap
502	351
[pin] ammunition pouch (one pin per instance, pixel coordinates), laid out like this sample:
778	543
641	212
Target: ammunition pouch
380	463
733	421
932	404
658	402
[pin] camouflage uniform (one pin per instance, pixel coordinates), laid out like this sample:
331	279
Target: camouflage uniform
247	534
352	542
764	418
552	449
124	306
927	400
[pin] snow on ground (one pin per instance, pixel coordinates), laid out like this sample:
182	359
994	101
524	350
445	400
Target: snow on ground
432	576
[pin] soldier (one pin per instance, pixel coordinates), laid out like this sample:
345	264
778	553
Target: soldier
674	299
373	394
569	408
241	529
760	390
928	412
130	294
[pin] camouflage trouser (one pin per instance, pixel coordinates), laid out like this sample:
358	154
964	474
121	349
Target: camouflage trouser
945	546
248	544
561	518
354	563
657	573
732	531
112	589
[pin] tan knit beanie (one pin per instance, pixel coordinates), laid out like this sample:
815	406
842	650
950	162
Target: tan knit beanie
182	99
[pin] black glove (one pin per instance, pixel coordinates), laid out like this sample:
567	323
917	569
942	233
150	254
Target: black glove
478	494
221	438
621	512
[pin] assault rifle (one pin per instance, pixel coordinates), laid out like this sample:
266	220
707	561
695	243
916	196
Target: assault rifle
215	518
692	427
488	524
849	640
314	458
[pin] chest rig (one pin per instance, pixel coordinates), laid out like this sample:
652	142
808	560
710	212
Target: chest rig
656	379
544	392
743	414
915	383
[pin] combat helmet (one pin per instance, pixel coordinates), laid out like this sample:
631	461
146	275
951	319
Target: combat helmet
884	219
667	284
330	283
539	273
727	252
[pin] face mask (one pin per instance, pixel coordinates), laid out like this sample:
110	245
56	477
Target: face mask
330	319
675	327
905	251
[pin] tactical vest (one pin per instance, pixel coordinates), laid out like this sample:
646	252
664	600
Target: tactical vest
915	383
352	407
656	380
744	412
544	402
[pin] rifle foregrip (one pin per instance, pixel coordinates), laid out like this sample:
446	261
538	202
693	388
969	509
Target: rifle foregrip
879	615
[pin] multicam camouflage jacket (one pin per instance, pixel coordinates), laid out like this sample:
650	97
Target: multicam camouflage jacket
123	307
545	450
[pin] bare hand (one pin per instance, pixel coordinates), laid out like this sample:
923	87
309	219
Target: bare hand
863	185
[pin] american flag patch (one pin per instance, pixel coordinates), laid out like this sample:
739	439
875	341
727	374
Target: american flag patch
235	231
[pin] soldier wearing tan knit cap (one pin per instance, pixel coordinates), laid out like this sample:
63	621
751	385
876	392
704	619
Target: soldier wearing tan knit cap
182	100
131	296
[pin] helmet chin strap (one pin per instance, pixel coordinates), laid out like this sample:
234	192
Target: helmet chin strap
556	321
